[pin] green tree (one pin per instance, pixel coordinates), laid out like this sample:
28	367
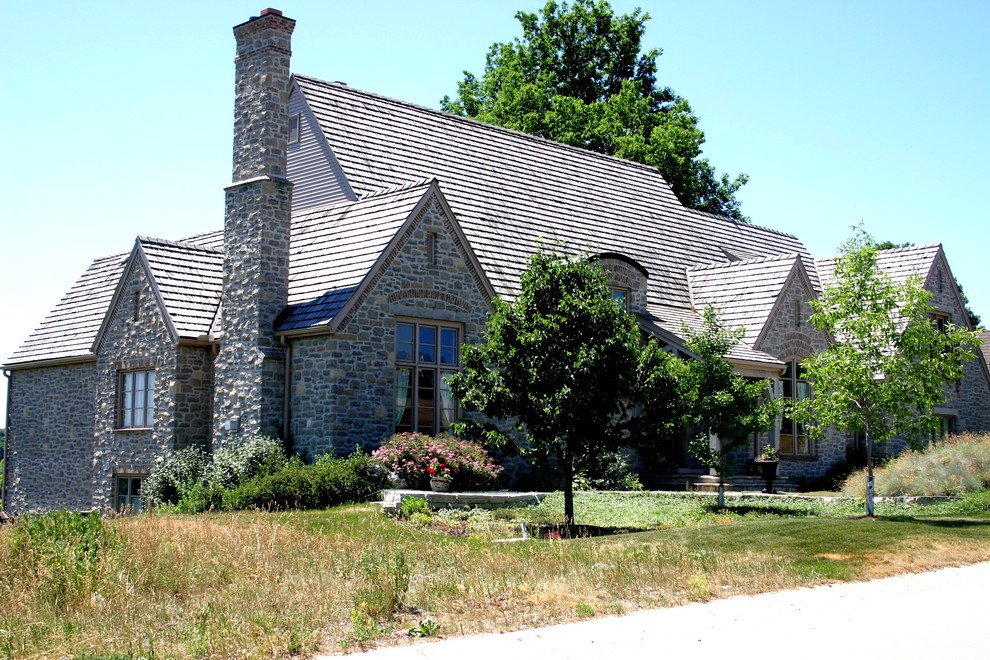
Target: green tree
888	364
578	76
568	365
720	403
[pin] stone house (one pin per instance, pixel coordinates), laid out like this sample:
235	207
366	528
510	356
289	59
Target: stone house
363	242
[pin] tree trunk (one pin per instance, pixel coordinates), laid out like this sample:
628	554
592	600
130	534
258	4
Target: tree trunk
568	495
869	473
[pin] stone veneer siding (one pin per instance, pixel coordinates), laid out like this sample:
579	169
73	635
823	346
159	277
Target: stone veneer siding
343	385
134	340
791	336
256	239
50	441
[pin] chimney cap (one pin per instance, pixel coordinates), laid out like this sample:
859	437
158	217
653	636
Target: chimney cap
265	12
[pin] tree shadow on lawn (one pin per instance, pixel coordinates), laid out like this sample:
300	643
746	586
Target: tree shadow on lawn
770	510
953	523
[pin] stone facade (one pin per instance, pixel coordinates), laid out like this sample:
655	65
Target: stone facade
50	439
136	337
343	385
790	336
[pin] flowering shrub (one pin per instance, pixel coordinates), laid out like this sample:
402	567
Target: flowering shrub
412	456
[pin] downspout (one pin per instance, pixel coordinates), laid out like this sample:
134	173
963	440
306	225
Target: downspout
6	451
287	397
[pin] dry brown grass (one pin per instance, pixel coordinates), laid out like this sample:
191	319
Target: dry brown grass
277	585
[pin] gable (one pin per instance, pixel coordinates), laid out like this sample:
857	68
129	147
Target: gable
315	173
338	254
787	332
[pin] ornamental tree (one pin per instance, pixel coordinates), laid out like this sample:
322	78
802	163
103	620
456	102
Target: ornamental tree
888	364
578	76
720	403
568	365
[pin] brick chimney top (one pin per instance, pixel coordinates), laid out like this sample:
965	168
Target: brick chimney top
265	12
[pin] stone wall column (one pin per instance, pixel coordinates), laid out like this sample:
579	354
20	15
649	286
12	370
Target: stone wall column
256	231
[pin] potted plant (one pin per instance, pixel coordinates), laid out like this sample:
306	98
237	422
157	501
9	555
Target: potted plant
439	477
767	463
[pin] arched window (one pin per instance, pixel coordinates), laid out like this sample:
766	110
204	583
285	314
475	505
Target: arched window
794	440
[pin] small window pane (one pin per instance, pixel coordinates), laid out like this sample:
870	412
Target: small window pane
404	342
427	343
426	422
448	346
403	399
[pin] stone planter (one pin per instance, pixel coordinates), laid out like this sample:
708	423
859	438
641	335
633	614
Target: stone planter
440	485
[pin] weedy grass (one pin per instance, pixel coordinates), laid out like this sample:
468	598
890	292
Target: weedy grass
960	464
254	584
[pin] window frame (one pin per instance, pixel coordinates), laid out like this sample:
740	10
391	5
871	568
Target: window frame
792	386
130	502
128	406
421	367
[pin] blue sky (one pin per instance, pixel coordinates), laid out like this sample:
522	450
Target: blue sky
116	116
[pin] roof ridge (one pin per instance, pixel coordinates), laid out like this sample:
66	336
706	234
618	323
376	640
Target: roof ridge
741	262
342	86
908	248
400	187
181	244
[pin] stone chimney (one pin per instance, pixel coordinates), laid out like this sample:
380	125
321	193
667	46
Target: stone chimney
250	366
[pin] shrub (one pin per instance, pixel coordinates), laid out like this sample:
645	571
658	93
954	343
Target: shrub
410	455
608	470
173	474
245	459
61	554
957	466
412	505
328	482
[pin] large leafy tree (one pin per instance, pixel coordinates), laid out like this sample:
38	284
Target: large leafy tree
888	364
578	76
720	403
568	365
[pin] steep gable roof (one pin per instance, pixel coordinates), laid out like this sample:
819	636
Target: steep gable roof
189	279
73	326
744	292
675	319
338	251
898	263
70	328
513	192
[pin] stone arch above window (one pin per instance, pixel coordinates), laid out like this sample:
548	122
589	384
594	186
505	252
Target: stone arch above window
627	279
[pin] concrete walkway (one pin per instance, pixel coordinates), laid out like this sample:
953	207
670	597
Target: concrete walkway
944	615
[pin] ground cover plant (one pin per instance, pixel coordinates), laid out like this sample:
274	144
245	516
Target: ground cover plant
957	465
263	584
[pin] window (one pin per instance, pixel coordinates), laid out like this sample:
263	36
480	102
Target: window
947	426
425	355
940	320
431	248
621	296
794	439
137	399
128	497
294	123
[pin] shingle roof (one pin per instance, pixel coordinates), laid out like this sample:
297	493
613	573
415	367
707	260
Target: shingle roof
898	263
190	280
985	346
744	292
512	192
331	251
70	329
674	319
